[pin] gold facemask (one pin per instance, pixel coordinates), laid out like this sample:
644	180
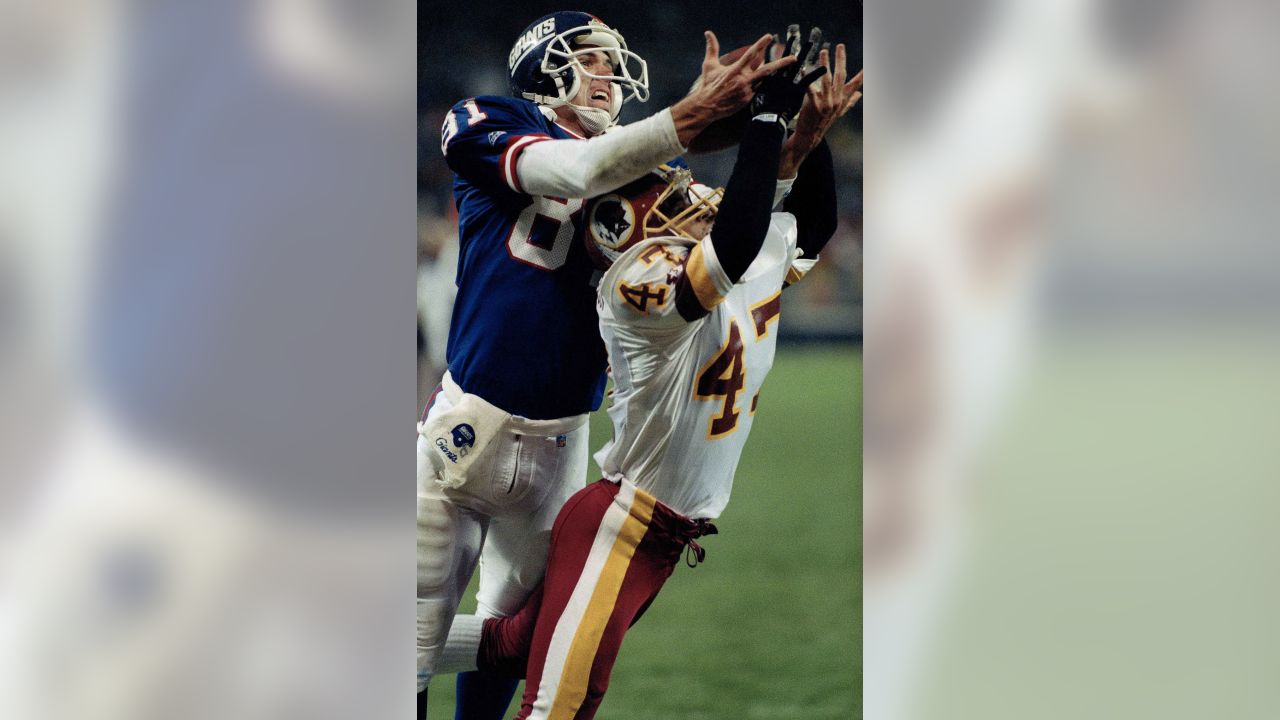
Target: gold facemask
680	204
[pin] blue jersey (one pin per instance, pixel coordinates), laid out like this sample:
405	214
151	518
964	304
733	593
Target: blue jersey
524	334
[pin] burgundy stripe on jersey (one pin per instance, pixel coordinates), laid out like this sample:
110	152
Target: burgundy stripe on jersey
687	303
515	146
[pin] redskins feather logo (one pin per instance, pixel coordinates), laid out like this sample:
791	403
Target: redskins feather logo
613	220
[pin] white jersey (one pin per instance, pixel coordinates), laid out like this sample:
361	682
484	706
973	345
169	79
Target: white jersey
685	392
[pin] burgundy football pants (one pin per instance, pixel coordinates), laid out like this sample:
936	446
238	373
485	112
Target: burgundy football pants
612	548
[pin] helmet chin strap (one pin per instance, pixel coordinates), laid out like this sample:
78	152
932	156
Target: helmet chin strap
594	120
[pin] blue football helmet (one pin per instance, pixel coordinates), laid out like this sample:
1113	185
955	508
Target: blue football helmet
544	66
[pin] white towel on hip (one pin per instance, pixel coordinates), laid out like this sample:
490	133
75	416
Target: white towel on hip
460	436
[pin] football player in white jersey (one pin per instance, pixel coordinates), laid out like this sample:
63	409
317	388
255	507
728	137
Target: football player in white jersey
690	323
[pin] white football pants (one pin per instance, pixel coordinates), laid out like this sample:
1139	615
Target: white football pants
507	508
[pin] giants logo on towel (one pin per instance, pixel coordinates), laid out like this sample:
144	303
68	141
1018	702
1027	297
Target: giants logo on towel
444	448
464	436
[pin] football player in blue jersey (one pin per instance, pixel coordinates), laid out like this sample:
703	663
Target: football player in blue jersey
503	441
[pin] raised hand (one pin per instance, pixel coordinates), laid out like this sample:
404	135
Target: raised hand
723	89
827	100
783	92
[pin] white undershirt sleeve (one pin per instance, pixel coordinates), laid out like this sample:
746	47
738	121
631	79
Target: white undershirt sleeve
587	168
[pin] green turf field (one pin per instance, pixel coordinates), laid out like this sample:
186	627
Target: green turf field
769	627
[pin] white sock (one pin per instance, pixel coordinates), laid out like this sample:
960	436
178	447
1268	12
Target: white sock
463	645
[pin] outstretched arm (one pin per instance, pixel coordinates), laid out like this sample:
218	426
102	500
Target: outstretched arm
829	99
743	220
813	201
813	196
587	168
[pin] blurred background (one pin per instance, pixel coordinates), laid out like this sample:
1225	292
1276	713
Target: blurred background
825	309
1071	334
206	272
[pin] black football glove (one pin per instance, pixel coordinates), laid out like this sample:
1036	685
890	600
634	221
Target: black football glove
782	93
783	46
